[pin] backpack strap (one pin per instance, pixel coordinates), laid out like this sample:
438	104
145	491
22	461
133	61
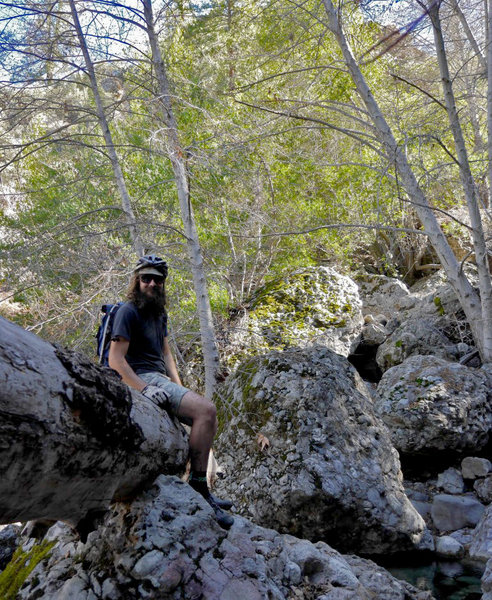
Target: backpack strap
104	333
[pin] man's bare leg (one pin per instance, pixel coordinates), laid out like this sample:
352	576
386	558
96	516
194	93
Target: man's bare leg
203	415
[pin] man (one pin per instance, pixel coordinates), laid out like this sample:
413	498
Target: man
140	353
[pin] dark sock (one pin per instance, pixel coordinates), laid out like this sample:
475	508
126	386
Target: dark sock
198	481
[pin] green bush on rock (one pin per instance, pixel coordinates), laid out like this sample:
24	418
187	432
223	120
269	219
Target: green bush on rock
20	567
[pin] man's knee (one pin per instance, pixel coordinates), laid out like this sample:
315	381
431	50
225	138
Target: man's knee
210	412
200	408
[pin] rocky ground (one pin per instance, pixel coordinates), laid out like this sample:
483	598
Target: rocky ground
168	545
307	447
414	350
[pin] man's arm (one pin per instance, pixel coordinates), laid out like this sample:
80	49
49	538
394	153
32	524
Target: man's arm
171	369
118	362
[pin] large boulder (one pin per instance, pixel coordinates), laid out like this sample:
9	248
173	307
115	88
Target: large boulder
450	513
414	336
167	545
425	319
325	468
436	301
313	305
475	466
430	404
481	546
451	481
382	295
487	581
483	489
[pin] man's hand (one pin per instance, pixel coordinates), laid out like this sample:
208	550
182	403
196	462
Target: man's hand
156	394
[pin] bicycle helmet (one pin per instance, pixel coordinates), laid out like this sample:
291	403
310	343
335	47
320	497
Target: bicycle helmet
151	264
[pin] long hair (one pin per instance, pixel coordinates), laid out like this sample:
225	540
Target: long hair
155	306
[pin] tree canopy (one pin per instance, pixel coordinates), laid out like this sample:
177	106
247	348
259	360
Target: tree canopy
243	142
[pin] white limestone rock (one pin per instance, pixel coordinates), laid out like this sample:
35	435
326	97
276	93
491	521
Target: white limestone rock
415	336
463	536
429	404
313	305
374	332
383	295
329	470
430	322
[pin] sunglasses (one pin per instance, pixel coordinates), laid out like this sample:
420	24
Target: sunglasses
155	278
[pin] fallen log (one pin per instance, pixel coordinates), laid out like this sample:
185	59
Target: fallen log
73	438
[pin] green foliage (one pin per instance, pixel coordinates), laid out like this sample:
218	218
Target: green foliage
20	567
278	148
439	306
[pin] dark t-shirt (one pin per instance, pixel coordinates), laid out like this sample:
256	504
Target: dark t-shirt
146	336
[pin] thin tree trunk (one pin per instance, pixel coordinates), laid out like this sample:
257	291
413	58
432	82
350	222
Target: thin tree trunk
489	98
103	122
469	187
73	438
178	162
467	296
469	34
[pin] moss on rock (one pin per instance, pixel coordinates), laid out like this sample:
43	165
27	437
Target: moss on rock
20	567
314	305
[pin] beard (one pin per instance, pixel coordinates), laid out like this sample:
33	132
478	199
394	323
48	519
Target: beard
151	304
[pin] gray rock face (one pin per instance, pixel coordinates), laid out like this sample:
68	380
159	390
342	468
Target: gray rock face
168	545
463	536
487	581
449	547
451	481
437	300
427	319
455	512
481	546
483	488
8	543
329	471
474	466
383	295
430	404
315	305
374	331
414	336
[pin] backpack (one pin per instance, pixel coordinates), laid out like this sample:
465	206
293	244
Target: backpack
103	336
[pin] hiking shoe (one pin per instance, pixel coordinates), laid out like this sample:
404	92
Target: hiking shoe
223	519
222	502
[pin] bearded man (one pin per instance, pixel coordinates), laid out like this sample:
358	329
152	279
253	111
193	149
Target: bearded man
140	353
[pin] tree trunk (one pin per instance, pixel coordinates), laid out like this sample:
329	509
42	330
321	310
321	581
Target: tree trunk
178	161
489	98
72	437
469	188
108	138
469	299
469	34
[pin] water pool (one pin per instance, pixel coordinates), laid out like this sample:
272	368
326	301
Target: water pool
447	580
